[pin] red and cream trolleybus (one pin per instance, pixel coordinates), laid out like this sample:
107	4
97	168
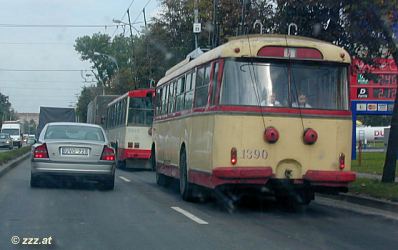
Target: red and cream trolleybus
128	126
261	112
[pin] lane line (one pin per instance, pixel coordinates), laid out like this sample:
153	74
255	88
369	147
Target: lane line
124	178
190	216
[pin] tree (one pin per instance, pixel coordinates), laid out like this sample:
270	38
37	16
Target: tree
6	111
86	96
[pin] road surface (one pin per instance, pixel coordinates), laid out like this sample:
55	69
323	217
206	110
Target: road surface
140	215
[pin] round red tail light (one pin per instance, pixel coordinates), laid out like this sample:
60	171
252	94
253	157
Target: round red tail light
271	135
310	136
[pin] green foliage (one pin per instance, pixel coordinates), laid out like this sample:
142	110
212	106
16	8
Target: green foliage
86	96
7	113
371	162
29	127
10	155
375	188
375	120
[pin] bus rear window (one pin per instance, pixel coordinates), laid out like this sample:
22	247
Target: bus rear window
140	111
290	84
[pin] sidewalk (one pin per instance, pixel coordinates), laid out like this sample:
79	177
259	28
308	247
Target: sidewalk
371	176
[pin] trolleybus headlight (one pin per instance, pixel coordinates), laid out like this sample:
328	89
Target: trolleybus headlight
234	156
310	136
271	135
342	161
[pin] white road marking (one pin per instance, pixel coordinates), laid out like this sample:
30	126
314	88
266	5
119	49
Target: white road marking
190	216
124	178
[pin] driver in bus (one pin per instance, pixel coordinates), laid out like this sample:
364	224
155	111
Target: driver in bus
302	102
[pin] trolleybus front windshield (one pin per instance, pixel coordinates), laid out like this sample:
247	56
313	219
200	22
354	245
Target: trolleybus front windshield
293	84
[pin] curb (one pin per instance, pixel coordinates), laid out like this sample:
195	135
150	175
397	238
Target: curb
365	201
12	164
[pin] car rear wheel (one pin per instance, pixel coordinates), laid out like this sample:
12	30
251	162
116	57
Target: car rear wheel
109	183
34	180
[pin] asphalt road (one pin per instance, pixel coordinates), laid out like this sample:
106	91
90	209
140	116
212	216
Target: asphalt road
140	215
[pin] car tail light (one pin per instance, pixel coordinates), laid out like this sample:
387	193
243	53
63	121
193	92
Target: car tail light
310	136
234	156
271	135
341	161
40	152
108	154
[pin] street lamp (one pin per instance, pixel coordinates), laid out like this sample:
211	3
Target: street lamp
113	59
117	21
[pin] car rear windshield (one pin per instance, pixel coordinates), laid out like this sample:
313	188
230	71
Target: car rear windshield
74	132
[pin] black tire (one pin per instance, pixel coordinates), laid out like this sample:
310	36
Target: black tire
109	183
153	159
34	181
161	179
121	164
20	145
186	188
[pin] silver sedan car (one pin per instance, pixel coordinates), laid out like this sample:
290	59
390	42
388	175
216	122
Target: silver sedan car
73	149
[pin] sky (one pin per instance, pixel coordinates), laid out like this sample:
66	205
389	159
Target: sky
26	51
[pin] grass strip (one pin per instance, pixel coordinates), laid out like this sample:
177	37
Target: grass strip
12	154
371	162
375	188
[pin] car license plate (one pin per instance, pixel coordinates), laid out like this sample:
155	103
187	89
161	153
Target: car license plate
74	151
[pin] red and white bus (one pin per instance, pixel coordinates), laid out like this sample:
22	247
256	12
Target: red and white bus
128	126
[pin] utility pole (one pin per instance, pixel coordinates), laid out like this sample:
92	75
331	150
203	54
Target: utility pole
147	50
196	26
132	47
143	10
215	27
242	20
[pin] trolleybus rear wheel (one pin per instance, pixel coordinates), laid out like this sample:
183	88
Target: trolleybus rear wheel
186	188
161	179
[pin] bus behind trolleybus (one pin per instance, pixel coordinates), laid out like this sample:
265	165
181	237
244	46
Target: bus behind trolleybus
266	113
128	125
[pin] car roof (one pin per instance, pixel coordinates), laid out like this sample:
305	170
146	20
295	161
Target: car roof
74	124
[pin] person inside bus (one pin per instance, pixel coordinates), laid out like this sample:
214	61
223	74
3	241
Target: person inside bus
272	101
302	102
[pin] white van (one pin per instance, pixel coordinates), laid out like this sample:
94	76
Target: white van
13	128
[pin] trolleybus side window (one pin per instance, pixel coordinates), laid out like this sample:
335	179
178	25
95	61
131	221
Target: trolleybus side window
158	101
214	82
124	111
202	85
164	99
191	80
171	97
180	93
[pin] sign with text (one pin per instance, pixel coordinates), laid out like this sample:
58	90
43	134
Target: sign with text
374	82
